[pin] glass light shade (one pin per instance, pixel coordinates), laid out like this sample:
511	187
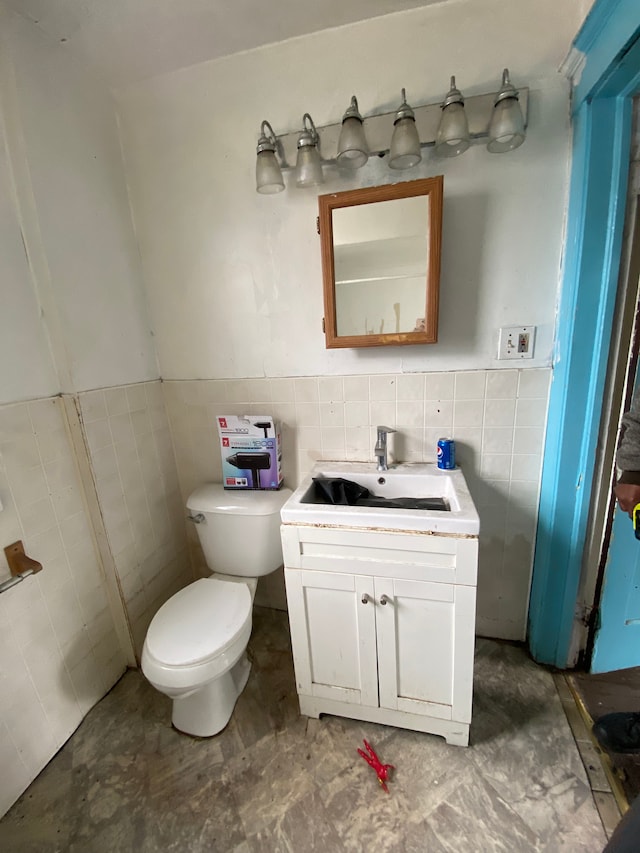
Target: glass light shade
268	173
308	167
506	129
453	131
353	151
405	145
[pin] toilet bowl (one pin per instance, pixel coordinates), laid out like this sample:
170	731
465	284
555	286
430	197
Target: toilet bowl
195	648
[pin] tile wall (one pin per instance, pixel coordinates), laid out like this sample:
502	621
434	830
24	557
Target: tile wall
497	418
59	651
136	481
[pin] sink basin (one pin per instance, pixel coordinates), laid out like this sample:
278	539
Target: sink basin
421	480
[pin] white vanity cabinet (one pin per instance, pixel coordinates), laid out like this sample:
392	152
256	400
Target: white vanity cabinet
382	625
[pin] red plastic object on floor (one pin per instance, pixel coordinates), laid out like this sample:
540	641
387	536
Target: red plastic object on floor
382	770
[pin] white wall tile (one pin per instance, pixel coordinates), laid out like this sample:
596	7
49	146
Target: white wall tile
332	414
410	414
104	462
502	384
309	437
497	440
136	466
439	386
259	391
306	390
501	460
531	412
330	389
136	398
496	466
357	443
407	445
20	452
15	421
534	383
115	400
528	440
121	429
438	414
499	413
93	406
38	516
469	438
98	434
356	414
382	413
468	413
43	619
53	444
382	388
308	414
410	387
526	467
282	390
333	442
524	492
470	385
356	388
14	770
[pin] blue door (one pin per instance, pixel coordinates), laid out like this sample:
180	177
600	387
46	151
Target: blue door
608	46
617	639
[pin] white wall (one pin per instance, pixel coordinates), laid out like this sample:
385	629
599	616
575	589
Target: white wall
72	316
234	281
59	650
26	365
136	482
65	155
237	275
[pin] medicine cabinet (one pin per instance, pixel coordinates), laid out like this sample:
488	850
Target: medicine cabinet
381	251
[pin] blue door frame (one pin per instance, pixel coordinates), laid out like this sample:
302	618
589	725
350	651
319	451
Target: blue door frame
602	108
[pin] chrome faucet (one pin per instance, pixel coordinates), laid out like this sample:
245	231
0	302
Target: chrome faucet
380	449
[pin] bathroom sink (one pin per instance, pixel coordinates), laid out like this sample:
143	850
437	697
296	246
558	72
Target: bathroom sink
420	480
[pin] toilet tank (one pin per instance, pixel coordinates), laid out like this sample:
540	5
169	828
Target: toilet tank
240	530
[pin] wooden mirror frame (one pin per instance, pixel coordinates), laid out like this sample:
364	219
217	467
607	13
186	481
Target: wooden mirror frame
430	187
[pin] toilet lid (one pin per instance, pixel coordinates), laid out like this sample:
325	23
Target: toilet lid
199	622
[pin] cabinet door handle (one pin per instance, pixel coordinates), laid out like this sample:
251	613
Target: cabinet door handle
384	599
366	598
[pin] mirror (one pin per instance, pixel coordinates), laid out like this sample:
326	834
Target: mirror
381	264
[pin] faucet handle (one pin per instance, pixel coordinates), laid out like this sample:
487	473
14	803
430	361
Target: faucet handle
383	430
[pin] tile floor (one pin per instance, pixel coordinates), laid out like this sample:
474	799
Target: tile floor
275	781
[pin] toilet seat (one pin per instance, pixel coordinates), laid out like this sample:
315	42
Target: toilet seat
197	635
199	622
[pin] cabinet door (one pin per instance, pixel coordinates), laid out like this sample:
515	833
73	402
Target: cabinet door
425	647
333	635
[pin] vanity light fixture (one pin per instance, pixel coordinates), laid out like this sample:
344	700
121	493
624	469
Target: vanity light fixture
268	173
506	128
495	119
452	137
353	151
308	163
405	142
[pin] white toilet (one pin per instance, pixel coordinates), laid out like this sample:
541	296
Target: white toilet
195	648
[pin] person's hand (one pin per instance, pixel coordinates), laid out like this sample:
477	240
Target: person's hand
627	495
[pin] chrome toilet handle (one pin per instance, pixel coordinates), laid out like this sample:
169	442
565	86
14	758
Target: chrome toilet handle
198	518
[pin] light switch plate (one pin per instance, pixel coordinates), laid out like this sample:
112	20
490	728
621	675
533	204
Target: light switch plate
516	342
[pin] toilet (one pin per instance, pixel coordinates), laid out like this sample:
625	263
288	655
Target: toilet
195	650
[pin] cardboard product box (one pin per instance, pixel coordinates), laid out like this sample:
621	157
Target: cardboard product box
251	452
